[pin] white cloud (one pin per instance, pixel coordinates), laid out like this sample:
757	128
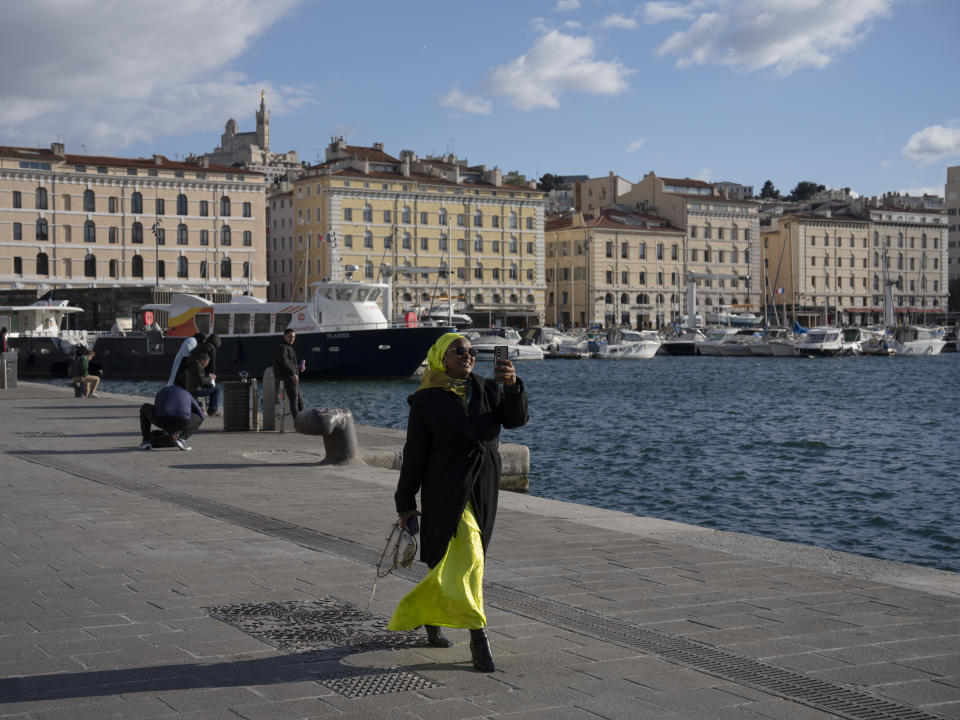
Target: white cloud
933	143
556	63
636	145
619	21
113	74
655	12
572	25
752	34
566	5
464	103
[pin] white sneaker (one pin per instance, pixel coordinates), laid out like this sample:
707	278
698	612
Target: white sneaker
182	444
146	445
93	395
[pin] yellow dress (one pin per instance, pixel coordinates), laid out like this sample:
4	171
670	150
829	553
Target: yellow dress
452	592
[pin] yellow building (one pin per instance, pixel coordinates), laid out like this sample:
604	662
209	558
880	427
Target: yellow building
437	229
613	268
832	262
78	221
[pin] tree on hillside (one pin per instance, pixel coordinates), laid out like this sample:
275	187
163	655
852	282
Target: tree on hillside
768	191
549	182
804	190
515	178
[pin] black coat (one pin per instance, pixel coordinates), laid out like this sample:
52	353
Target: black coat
285	363
451	455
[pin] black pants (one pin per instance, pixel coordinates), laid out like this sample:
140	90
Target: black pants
185	426
294	397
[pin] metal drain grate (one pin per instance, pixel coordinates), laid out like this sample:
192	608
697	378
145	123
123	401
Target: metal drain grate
327	631
841	700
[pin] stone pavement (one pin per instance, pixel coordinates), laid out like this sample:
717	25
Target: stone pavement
232	582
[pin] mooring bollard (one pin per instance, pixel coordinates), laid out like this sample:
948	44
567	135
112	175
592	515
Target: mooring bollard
338	430
272	401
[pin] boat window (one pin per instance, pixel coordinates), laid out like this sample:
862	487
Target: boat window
241	323
345	294
261	322
374	294
281	321
221	324
202	321
362	294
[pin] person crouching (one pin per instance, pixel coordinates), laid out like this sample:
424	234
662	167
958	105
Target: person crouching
174	411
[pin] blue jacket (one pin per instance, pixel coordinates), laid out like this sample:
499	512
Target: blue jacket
173	401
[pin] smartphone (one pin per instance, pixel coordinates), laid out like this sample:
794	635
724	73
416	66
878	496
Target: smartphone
500	353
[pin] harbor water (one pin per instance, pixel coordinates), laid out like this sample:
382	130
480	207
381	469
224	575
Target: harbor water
854	454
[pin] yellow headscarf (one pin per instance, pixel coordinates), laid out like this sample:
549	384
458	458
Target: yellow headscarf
436	373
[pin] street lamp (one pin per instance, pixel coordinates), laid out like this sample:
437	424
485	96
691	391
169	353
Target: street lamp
157	230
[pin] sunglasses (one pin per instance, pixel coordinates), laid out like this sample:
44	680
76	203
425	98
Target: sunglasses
460	350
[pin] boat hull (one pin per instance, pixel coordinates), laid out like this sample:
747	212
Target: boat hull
679	348
386	353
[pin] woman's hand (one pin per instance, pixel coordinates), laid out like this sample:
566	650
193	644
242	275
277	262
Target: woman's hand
505	373
406	516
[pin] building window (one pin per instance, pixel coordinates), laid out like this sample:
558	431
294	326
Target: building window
113	266
405	215
609	248
89	201
406	241
247	210
17	199
348	214
623	277
160	205
495	221
136	266
203	269
368	269
17	231
478	219
43	264
608	276
225	235
112	235
388	242
181	204
674	252
136	233
41	198
348	241
160	234
368	240
89	232
424	244
136	204
513	220
513	271
624	250
90	266
367	213
226	268
204	208
248	238
529	223
161	268
17	266
478	272
424	219
442	243
225	206
478	244
181	234
41	230
442	216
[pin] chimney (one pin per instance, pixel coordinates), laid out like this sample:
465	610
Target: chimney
405	164
378	146
158	159
57	148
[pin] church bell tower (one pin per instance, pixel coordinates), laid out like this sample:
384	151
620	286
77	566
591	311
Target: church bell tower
263	123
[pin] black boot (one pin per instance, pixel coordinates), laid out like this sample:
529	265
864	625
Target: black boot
436	637
480	651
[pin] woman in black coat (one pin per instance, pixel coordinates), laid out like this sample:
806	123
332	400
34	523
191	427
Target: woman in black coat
451	458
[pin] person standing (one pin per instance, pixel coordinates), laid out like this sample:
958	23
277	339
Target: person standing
287	368
209	387
173	410
88	382
451	458
3	340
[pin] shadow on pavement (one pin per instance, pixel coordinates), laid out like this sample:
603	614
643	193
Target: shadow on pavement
302	667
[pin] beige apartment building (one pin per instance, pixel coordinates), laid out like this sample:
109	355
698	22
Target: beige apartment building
437	229
952	204
280	253
78	221
613	268
833	261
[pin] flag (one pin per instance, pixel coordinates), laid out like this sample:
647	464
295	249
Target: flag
780	291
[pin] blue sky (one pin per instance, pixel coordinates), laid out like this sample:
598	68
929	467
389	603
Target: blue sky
858	93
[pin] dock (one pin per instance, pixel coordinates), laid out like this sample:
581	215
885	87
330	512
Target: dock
233	582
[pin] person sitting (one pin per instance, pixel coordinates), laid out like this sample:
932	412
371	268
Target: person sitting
192	378
89	383
209	387
174	411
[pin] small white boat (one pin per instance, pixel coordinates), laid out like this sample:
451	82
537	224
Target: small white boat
917	340
715	336
44	346
739	344
684	344
631	344
880	342
820	342
517	349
